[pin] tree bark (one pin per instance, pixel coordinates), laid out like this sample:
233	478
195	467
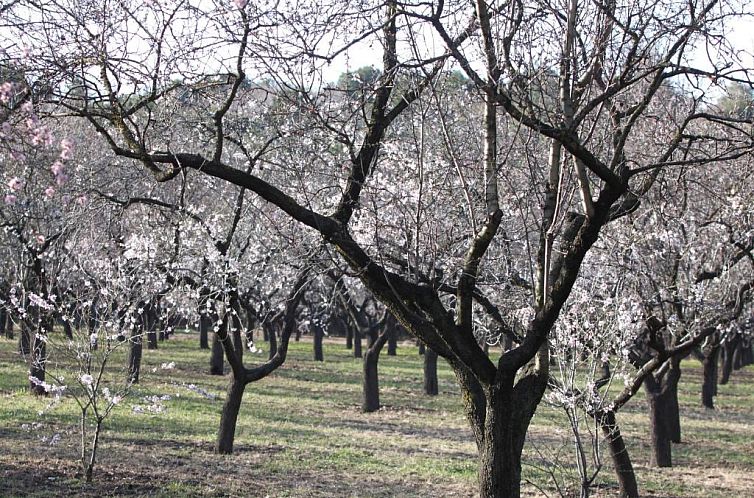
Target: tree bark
430	372
217	356
349	338
24	341
205	323
273	339
371	400
709	384
624	470
231	407
392	338
356	342
728	349
501	446
9	326
38	362
319	335
661	425
134	356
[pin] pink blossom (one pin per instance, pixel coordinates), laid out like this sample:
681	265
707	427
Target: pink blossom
66	146
241	3
49	192
40	239
57	168
15	184
81	200
10	199
61	178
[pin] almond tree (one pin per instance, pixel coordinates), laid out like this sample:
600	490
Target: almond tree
580	80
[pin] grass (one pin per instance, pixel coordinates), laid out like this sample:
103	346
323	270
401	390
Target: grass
301	433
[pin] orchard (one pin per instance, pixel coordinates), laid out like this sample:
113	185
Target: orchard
270	247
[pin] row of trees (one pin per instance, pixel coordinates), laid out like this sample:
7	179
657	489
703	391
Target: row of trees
568	182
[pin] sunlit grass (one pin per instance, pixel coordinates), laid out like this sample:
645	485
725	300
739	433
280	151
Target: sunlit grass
301	433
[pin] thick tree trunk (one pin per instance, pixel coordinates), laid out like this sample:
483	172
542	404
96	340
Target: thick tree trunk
217	356
501	446
624	470
205	324
319	335
661	421
371	400
747	353
673	412
232	405
236	330
728	348
4	323
134	356
349	338
272	336
709	384
357	343
430	372
24	341
392	340
421	348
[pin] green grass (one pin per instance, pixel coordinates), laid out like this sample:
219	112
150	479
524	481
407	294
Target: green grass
301	433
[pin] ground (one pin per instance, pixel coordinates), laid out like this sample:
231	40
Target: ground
301	434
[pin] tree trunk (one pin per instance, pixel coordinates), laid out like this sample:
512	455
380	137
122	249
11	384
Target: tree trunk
272	336
659	423
501	446
392	341
4	323
319	334
728	349
624	470
134	356
357	343
421	348
235	333
37	363
24	341
430	372
232	405
709	385
371	402
349	337
9	326
217	356
673	412
150	324
205	323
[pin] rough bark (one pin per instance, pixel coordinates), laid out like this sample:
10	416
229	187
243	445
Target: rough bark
728	350
357	353
392	341
231	407
624	470
24	341
134	356
430	372
371	399
663	414
319	335
217	357
709	384
205	323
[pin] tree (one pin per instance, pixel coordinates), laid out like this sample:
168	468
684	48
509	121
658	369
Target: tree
561	156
